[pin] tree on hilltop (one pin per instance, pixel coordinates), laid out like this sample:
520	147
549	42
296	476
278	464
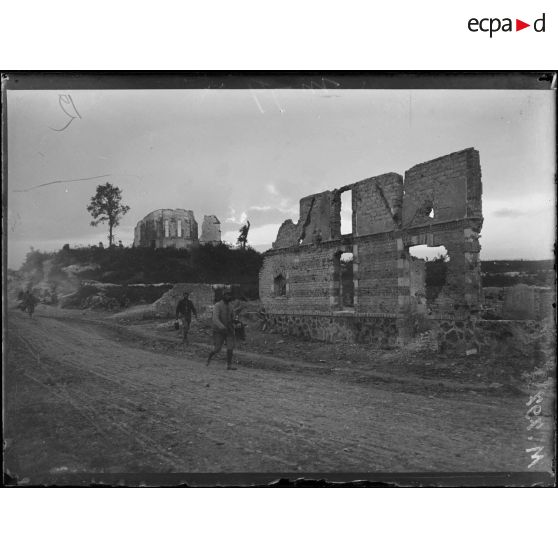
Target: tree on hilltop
106	206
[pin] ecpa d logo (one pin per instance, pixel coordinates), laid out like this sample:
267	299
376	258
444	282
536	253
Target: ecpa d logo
492	25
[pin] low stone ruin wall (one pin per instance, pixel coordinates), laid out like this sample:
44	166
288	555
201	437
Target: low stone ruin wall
453	337
519	302
378	331
511	337
505	337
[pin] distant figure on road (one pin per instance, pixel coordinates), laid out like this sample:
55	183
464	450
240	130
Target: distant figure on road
184	310
223	329
29	302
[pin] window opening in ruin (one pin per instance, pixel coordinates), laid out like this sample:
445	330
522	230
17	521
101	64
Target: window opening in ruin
429	253
426	210
343	277
280	285
179	228
347	212
428	269
167	232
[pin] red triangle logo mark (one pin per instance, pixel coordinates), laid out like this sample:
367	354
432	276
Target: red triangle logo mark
519	25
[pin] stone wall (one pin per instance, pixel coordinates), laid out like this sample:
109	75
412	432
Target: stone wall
525	302
506	337
442	207
417	285
445	189
317	222
520	302
309	272
462	292
376	331
377	274
445	335
377	204
438	203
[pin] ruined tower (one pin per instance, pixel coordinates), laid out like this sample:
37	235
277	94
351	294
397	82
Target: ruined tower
211	230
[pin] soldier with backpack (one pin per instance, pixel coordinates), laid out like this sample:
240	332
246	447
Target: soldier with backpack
223	329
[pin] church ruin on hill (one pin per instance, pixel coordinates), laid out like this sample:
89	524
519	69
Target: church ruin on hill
366	286
176	228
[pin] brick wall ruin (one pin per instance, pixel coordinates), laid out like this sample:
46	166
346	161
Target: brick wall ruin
303	281
175	228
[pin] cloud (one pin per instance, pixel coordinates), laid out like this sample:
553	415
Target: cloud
232	218
274	207
258	236
282	208
260	217
508	212
272	189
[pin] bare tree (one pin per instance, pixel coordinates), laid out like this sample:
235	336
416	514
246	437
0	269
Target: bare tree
106	206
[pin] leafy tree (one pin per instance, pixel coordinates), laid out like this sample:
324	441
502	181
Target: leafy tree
106	206
243	236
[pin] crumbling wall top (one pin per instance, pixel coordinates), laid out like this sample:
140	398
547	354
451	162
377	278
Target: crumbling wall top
316	223
445	189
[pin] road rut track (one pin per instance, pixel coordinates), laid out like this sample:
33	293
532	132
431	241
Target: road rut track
80	401
156	413
410	381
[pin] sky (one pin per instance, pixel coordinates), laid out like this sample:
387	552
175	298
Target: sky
252	154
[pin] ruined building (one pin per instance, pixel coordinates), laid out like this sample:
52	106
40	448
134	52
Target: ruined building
175	228
211	230
365	286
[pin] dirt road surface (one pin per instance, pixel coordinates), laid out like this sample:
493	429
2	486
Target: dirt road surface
85	396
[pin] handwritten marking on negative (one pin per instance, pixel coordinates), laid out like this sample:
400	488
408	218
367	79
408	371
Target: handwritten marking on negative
67	100
535	422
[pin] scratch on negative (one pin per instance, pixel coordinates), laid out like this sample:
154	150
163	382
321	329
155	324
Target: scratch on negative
60	182
281	110
257	101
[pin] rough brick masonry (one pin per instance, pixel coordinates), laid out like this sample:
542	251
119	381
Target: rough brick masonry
437	203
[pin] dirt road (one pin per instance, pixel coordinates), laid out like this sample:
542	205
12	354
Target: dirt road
82	396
